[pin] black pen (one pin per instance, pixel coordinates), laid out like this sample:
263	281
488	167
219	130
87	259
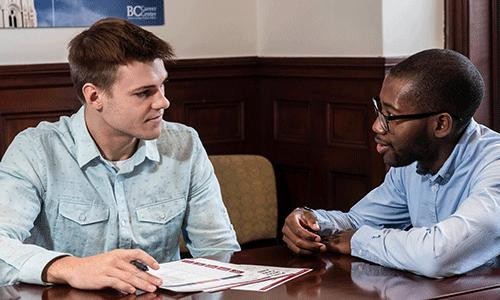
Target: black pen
139	265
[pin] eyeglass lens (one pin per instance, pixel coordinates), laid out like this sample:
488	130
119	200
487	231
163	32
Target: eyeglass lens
380	116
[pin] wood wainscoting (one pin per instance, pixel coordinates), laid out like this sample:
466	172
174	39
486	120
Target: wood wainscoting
316	129
311	117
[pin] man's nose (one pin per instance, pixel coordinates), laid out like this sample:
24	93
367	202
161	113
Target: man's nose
377	126
161	102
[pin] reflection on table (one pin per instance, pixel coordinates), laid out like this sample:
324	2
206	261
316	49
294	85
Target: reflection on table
333	276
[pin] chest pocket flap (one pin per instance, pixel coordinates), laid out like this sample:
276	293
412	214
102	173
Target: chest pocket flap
162	212
83	214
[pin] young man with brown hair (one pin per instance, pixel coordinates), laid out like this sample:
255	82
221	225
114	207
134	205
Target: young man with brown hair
84	197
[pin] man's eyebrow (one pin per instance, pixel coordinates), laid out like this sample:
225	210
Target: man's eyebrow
141	88
388	106
145	87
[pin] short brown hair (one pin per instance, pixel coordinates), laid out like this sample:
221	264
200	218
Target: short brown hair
96	53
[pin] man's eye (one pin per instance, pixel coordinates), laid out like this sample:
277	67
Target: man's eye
142	94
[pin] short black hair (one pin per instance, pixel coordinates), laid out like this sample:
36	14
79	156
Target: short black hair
442	80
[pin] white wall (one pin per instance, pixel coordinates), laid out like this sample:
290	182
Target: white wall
195	28
319	28
412	25
223	28
348	27
211	28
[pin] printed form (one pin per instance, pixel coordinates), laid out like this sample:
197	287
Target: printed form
200	274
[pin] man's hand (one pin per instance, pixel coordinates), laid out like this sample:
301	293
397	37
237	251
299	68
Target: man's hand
108	270
340	242
299	232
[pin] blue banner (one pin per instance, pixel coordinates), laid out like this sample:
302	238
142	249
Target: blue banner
83	13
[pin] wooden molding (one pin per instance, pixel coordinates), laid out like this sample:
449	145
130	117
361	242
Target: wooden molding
457	25
495	63
37	75
325	67
56	74
187	69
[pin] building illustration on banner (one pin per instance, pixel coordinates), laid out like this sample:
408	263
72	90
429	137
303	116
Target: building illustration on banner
17	14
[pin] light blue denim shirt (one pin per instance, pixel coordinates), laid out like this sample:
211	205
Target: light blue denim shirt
435	225
58	195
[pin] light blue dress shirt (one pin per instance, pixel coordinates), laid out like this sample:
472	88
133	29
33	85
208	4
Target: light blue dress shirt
58	195
434	225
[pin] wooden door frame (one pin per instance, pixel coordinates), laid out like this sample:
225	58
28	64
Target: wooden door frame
471	28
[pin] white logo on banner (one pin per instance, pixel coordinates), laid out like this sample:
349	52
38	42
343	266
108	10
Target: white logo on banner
141	12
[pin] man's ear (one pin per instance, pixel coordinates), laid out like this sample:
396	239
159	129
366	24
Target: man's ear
92	96
444	125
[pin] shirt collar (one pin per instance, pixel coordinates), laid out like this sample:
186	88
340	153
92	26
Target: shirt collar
86	149
459	154
146	149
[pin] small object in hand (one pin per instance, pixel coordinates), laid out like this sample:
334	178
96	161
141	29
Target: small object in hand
139	265
326	230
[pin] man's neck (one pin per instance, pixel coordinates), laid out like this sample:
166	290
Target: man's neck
442	153
115	150
441	156
113	147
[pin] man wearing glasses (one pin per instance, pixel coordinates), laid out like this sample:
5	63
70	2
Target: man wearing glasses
437	211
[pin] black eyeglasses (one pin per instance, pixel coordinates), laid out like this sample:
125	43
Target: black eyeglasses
384	120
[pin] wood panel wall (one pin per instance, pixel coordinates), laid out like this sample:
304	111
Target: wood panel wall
310	116
317	128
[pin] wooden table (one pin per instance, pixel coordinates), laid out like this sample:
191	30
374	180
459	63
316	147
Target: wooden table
334	277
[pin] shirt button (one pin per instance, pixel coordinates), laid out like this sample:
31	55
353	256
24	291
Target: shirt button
434	188
124	222
162	217
82	217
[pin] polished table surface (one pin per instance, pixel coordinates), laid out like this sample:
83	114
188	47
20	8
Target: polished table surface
333	277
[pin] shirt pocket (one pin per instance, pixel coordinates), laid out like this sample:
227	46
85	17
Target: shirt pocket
81	228
160	224
83	214
162	212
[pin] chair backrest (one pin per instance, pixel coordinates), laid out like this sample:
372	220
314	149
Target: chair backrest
248	189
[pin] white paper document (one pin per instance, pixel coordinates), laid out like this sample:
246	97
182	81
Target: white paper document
277	276
200	274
